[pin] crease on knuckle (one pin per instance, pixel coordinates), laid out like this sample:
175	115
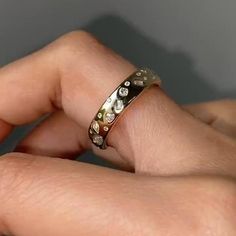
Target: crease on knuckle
73	43
71	53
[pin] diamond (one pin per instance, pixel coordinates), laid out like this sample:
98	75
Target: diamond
127	83
110	117
90	131
123	92
99	115
105	128
109	100
138	83
95	126
138	73
119	106
98	139
145	78
144	71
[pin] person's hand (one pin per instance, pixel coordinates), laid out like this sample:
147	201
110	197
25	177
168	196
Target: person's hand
184	169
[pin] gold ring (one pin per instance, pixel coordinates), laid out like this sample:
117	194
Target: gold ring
117	102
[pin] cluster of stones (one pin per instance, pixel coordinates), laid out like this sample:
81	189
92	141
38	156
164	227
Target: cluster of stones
117	108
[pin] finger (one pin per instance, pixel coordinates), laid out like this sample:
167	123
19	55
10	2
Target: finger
45	196
37	80
219	114
56	136
5	130
54	76
60	136
155	135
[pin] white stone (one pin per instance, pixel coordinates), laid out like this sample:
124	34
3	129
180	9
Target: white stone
119	106
99	115
98	139
123	92
110	117
105	128
109	100
144	71
138	83
127	83
95	126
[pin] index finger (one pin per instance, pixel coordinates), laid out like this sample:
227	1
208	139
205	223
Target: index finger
33	86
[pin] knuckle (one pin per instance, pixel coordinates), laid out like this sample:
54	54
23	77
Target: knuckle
73	49
77	35
74	41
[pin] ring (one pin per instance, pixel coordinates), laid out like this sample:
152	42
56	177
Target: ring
117	103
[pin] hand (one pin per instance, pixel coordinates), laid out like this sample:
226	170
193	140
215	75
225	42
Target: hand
185	169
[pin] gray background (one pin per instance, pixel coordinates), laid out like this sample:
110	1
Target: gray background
190	43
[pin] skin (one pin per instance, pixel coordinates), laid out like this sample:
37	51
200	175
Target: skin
178	164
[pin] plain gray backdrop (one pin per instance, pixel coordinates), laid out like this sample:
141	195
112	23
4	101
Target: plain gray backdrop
190	43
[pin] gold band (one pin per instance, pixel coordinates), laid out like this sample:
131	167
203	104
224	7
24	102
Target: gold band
116	103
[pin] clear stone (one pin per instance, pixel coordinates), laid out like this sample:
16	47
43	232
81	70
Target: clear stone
95	126
127	83
99	115
109	100
138	73
145	78
105	128
119	106
90	131
98	139
123	92
139	83
144	71
110	117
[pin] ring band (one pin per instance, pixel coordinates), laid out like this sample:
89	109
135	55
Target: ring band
117	102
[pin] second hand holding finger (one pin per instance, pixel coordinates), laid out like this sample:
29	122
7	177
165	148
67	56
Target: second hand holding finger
48	196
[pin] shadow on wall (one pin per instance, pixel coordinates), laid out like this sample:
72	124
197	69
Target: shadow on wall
176	69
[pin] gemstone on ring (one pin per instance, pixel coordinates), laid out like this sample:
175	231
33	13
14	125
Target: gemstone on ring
95	126
99	115
138	82
119	106
98	139
123	92
109	100
109	117
105	128
127	83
